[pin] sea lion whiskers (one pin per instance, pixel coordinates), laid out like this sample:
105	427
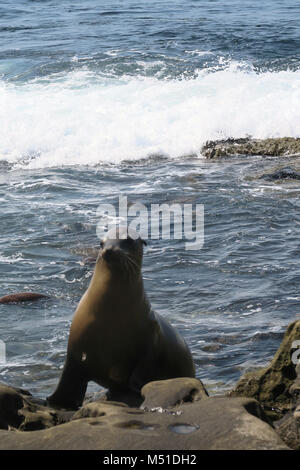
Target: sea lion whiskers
133	264
125	266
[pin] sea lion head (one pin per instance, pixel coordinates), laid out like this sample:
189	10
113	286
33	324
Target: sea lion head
122	250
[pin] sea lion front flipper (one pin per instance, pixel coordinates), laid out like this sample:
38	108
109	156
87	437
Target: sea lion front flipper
71	388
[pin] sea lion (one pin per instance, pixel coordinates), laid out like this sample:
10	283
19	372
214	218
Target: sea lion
21	297
116	339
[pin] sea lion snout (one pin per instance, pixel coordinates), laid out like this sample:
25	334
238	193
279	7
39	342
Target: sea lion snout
111	254
122	252
122	243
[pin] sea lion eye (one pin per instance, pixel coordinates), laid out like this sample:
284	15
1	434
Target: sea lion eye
101	244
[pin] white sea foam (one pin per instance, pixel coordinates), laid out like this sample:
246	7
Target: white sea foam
11	259
82	118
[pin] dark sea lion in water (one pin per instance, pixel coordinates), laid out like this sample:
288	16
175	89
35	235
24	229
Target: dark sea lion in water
116	339
21	297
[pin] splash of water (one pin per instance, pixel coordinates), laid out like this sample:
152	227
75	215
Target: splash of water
84	118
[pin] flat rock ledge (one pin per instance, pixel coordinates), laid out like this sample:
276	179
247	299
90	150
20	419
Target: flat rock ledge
281	146
176	414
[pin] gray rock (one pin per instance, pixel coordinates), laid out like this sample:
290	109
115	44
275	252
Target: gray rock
213	423
266	147
19	410
98	409
289	426
295	387
11	401
172	392
271	385
288	429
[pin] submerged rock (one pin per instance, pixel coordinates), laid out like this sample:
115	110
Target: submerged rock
271	386
22	297
282	173
265	147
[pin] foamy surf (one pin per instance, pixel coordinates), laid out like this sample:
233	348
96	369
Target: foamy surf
82	118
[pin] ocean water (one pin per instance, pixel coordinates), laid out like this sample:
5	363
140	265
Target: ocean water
101	99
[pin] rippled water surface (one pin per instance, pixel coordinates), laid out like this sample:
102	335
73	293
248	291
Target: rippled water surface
231	300
101	99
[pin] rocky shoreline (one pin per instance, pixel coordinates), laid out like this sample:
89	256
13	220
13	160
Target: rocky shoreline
273	147
261	413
